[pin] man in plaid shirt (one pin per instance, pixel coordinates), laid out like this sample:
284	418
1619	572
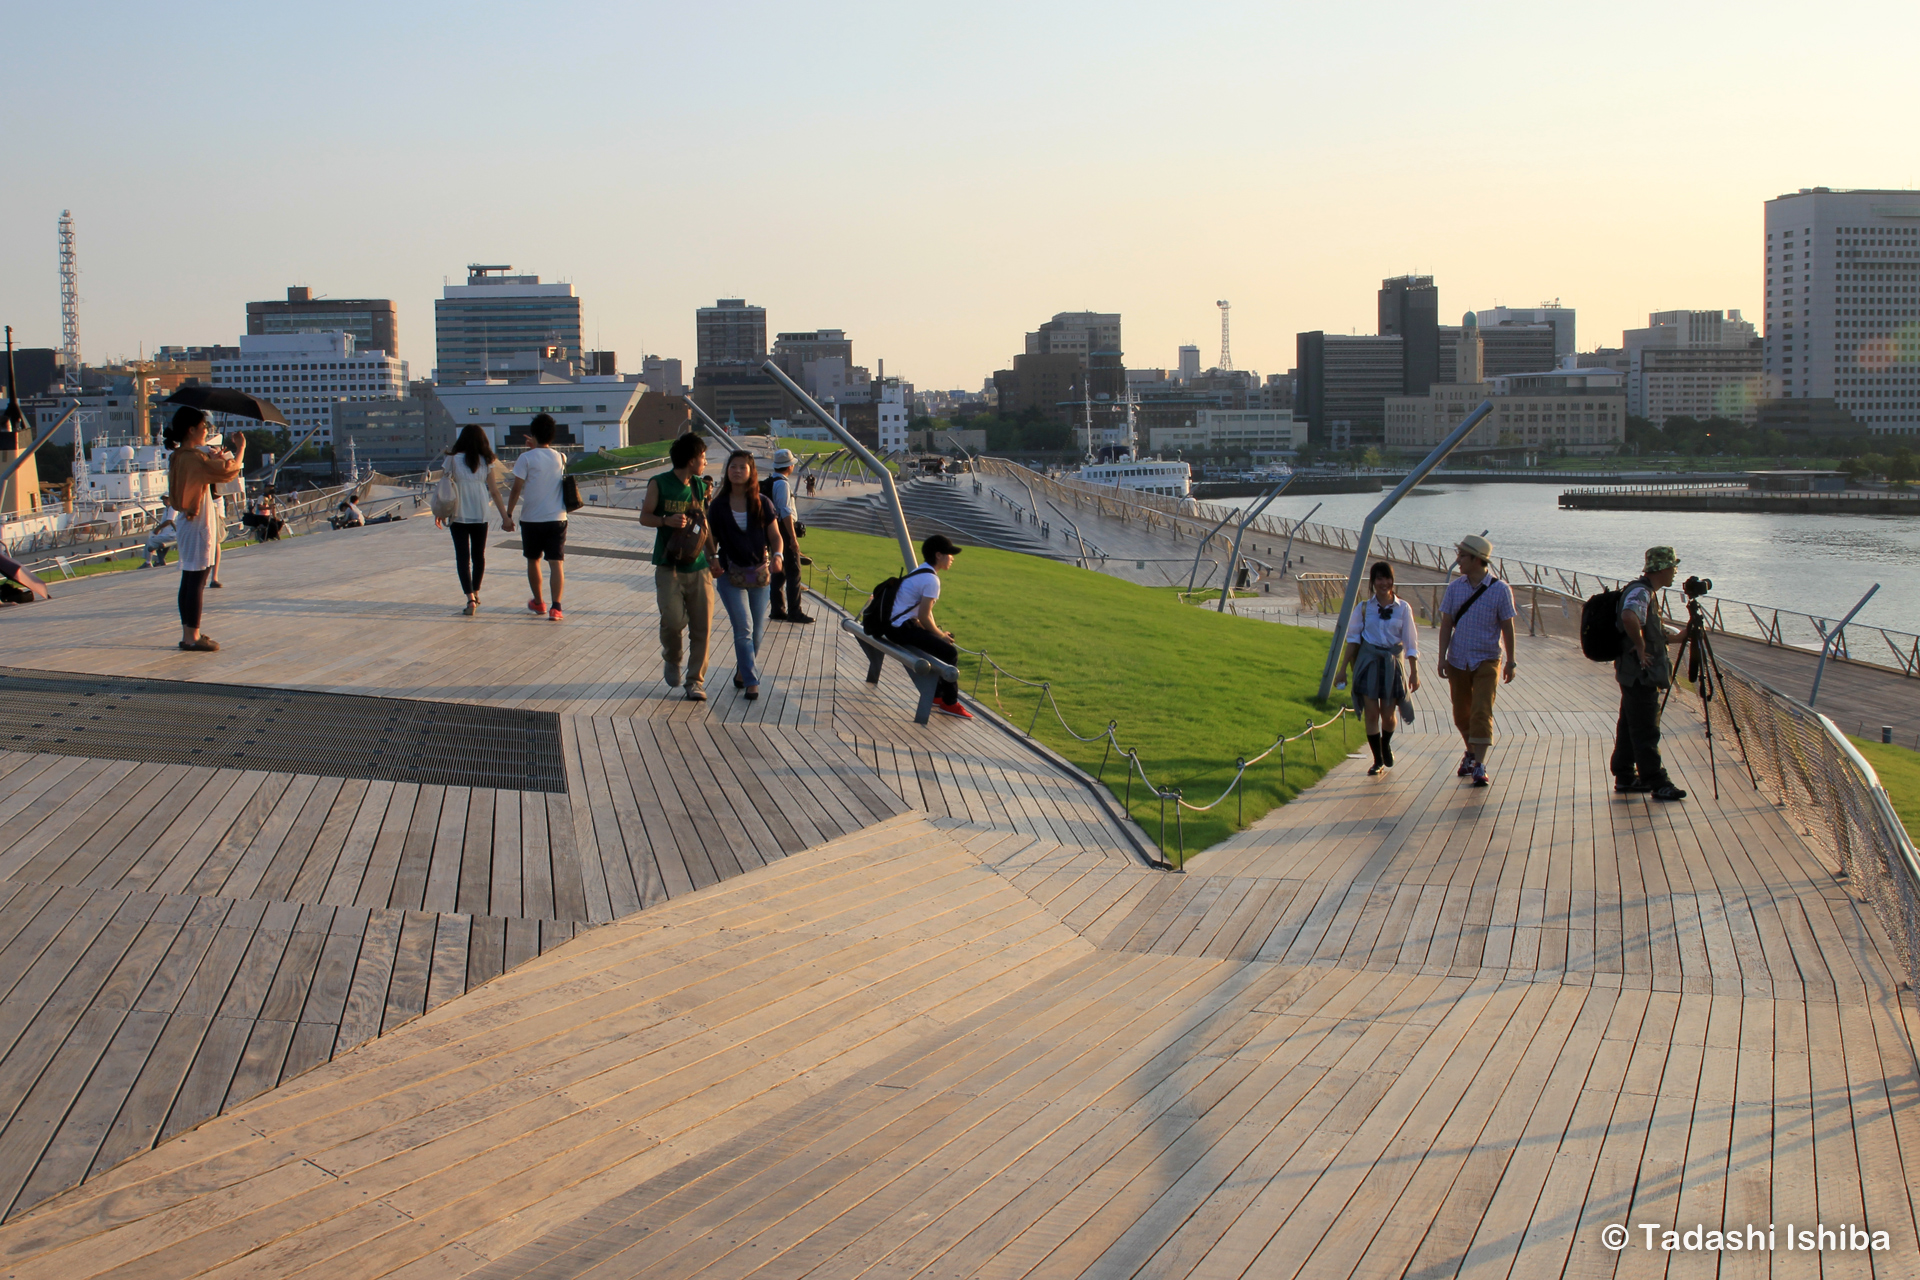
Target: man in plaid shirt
1476	621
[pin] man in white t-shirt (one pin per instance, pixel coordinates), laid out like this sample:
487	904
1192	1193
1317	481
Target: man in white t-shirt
912	617
537	474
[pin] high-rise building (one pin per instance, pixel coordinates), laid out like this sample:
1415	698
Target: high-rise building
1343	384
495	315
1560	318
1507	349
1410	309
1695	353
371	321
306	374
662	376
1189	362
1076	333
1843	303
731	332
820	361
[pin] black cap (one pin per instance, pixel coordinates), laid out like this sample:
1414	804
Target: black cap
938	545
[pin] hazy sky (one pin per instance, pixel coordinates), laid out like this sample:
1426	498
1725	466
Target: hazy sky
936	180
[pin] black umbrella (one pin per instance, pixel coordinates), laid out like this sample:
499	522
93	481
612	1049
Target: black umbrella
227	400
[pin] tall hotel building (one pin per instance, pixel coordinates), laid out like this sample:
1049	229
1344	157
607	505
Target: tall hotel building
494	315
1843	303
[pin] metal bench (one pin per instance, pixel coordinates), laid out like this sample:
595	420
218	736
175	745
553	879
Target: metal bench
927	671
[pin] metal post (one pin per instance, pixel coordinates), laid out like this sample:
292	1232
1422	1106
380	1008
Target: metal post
1287	559
714	429
908	555
1076	534
1365	540
39	438
1828	642
1202	548
1234	557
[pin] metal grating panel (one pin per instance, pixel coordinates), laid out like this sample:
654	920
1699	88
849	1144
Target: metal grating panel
331	735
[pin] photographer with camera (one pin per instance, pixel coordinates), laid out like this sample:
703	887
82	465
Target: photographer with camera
1643	670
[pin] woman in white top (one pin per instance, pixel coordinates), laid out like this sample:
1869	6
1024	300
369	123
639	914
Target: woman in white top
1381	634
471	461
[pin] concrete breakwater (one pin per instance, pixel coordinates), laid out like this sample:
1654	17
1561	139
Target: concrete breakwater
1729	498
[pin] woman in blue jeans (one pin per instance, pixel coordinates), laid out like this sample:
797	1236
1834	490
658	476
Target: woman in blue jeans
746	534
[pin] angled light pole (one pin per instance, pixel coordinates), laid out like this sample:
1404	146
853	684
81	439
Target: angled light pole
909	556
1414	477
1226	588
714	429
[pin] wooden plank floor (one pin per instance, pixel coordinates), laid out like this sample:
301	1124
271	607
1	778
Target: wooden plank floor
175	939
872	1000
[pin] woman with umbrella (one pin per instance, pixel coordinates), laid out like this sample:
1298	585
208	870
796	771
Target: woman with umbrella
192	473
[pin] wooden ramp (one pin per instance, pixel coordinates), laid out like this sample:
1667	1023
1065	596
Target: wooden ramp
1400	1027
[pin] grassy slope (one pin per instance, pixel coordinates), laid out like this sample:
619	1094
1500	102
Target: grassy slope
625	456
1899	770
1191	689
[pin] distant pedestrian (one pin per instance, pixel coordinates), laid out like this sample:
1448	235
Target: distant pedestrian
472	461
1643	670
537	474
810	483
746	561
1380	637
676	505
912	618
786	585
1476	622
192	472
159	540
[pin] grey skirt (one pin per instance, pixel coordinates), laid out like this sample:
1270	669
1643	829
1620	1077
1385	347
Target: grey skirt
1379	674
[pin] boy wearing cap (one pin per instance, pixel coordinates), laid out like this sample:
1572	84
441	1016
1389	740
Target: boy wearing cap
1476	622
786	599
1643	671
912	617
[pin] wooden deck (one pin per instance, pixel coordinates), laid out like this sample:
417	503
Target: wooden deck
936	1023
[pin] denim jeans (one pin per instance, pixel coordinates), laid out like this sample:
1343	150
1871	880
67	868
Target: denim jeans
746	635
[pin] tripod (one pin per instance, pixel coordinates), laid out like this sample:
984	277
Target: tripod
1703	669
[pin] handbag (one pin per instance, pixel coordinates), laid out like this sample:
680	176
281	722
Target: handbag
758	575
685	544
442	499
570	493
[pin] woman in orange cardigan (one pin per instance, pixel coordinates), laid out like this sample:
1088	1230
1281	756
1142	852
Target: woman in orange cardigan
191	474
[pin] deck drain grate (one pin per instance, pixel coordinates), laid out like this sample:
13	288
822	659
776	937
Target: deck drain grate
231	726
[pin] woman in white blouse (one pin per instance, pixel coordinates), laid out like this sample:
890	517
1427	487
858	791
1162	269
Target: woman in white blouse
1381	635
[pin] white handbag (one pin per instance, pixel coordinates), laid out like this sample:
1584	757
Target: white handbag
442	499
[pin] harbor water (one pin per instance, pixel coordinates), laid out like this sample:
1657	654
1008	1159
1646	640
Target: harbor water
1818	564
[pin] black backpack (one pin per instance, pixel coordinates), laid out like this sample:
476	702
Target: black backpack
1601	638
877	618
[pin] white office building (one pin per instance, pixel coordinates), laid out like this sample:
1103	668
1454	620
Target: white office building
891	413
591	411
1696	363
304	374
1843	303
1263	433
1572	409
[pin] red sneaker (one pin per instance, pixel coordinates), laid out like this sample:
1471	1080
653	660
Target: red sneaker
952	708
555	613
535	607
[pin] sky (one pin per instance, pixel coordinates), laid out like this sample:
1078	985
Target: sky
934	179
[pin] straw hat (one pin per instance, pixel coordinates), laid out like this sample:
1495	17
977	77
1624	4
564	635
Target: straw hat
1475	545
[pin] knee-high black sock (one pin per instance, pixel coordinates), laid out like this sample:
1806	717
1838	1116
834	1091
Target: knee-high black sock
1373	740
1386	748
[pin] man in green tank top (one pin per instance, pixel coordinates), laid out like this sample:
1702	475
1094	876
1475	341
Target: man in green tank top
683	588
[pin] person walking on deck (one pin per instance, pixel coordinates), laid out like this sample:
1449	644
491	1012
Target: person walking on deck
192	472
912	618
1381	636
1643	670
471	461
1476	622
537	473
786	585
746	562
676	505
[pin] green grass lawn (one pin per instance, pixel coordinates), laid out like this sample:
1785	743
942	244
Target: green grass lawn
625	456
1899	770
1190	689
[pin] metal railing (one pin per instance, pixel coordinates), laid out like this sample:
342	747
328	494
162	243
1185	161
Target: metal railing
1546	593
1044	700
1832	795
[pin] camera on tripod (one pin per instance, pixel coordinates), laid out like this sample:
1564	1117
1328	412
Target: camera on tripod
1695	587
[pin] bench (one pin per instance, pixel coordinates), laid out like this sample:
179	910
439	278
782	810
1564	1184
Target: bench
927	671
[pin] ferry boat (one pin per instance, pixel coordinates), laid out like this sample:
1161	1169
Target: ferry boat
1170	479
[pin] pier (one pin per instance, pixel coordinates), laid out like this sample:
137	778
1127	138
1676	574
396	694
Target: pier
797	987
1711	497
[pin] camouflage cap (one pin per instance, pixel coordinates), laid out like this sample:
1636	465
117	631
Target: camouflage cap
1659	558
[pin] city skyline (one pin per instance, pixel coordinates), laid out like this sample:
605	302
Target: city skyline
1287	159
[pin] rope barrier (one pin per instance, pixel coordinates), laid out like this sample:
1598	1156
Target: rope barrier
1110	736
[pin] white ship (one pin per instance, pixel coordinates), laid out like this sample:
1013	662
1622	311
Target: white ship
1170	479
119	492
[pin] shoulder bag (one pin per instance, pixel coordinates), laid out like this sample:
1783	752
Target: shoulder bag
685	544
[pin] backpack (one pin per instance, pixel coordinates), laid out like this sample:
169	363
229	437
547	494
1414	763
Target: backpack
1601	638
877	618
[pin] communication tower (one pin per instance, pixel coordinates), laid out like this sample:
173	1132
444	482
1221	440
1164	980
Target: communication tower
69	303
1226	349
